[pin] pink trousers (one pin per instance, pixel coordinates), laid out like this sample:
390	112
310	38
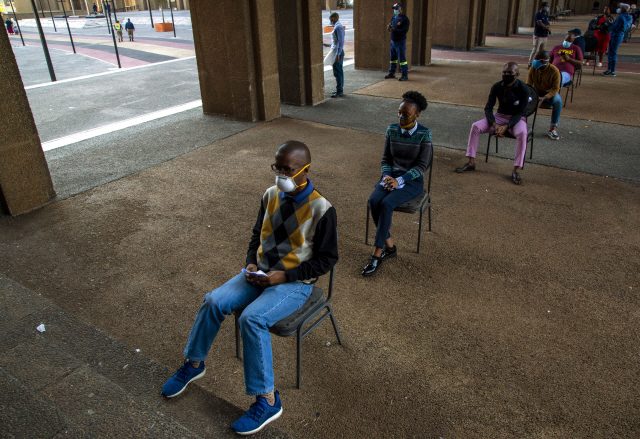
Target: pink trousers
483	126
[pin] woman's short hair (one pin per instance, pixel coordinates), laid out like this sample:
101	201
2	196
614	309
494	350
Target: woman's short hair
414	97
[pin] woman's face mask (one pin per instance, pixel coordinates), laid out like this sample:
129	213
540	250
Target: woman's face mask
566	44
287	184
618	11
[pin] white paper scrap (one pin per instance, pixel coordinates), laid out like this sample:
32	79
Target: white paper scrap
41	327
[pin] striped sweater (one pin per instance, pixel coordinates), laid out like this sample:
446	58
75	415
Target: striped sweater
406	154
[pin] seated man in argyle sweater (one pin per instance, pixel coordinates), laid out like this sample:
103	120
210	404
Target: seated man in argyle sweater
295	240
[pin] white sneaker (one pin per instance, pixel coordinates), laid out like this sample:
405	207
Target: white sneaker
553	135
587	63
599	64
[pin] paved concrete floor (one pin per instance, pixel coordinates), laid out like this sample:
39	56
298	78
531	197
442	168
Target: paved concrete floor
76	349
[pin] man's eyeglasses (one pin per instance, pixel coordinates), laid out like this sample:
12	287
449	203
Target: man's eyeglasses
284	169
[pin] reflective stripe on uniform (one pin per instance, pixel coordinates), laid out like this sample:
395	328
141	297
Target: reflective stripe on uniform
393	62
403	63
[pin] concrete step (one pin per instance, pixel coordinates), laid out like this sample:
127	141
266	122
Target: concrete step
75	381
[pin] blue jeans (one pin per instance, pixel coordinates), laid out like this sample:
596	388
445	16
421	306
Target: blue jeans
556	101
264	307
614	42
338	73
397	55
382	202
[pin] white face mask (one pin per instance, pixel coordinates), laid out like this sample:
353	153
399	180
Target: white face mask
287	184
566	44
618	11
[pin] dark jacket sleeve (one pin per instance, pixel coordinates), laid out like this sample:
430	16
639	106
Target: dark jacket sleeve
488	108
523	97
254	244
387	157
325	250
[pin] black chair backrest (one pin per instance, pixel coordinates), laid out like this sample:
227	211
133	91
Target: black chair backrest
596	5
590	43
532	106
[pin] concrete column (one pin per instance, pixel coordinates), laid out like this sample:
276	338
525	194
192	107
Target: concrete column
422	29
237	66
372	38
298	25
25	182
456	23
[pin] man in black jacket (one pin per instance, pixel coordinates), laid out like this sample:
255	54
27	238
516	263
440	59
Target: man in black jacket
398	28
513	97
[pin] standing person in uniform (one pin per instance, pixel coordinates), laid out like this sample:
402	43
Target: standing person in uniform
338	44
118	29
398	28
95	9
541	30
130	28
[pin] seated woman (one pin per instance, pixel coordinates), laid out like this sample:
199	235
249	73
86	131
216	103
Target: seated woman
407	153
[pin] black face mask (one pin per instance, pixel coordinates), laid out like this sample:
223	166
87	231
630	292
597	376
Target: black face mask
508	79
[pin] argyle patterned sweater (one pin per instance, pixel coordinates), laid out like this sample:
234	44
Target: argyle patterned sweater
297	235
408	155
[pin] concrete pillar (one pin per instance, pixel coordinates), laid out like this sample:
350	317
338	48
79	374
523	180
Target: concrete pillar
372	40
25	182
456	23
298	25
422	29
237	66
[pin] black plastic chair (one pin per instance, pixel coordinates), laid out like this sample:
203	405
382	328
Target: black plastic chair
416	204
295	324
596	7
532	108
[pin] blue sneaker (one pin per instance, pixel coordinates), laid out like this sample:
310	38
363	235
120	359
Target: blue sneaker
178	382
260	414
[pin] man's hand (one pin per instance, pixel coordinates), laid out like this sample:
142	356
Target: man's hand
326	45
271	279
249	277
541	100
564	56
389	182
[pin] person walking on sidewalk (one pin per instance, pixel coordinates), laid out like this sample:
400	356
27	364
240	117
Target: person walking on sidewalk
398	28
617	29
294	241
338	47
118	28
130	28
95	9
546	79
513	96
540	31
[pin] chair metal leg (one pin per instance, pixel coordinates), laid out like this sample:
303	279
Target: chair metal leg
366	233
531	150
566	98
238	355
420	229
572	94
429	214
335	324
299	366
496	144
486	156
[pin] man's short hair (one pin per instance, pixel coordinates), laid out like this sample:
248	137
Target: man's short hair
542	54
543	4
296	148
334	15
